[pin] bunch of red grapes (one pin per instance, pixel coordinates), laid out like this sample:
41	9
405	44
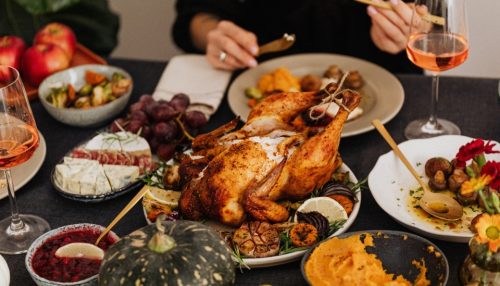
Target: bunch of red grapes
163	124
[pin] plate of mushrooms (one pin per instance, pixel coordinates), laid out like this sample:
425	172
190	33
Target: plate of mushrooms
382	94
435	159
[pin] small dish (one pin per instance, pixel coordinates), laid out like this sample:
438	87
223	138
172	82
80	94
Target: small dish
397	250
53	233
391	183
132	186
90	117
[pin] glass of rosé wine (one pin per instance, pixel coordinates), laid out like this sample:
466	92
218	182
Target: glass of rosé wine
18	141
437	42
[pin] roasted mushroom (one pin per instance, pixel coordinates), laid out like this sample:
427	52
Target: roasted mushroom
437	164
354	80
457	178
438	169
310	82
438	181
257	239
333	72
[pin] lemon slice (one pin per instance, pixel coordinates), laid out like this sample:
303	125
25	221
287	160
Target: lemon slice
163	197
80	250
329	208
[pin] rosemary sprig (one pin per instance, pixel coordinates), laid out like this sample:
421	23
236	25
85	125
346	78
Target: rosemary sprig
155	178
361	185
334	226
238	258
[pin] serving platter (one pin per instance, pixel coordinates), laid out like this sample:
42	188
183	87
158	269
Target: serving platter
132	186
391	183
397	250
382	93
23	173
289	257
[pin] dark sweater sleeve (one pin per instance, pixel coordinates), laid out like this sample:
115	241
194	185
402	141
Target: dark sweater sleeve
187	9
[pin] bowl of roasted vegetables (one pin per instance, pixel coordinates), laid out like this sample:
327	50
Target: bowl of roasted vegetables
87	95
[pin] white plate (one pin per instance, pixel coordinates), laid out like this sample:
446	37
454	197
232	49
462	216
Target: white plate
4	272
23	173
286	258
383	94
390	181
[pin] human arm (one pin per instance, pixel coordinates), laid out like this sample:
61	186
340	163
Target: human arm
391	28
208	27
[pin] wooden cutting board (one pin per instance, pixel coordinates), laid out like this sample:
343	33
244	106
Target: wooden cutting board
82	56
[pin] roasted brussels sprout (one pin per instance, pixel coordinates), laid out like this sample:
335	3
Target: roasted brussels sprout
85	90
437	164
120	86
83	102
58	97
253	92
99	96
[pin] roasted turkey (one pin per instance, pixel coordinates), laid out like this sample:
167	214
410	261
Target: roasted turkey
232	174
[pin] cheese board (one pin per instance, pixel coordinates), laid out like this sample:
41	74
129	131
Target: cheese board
104	167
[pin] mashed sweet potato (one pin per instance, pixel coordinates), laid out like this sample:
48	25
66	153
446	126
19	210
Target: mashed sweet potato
345	261
279	80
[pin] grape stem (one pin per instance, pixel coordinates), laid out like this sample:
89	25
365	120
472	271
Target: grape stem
184	131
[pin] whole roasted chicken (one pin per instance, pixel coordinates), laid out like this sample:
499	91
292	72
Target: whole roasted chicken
232	174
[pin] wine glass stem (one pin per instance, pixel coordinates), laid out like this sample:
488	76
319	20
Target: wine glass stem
432	123
16	224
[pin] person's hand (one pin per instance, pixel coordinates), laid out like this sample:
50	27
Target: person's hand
230	47
390	28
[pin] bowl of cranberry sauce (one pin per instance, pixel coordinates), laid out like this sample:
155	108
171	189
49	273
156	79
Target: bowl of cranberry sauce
47	269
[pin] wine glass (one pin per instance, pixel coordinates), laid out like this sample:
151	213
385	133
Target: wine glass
18	141
437	42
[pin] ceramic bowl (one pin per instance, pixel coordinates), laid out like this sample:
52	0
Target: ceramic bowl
397	250
94	116
40	281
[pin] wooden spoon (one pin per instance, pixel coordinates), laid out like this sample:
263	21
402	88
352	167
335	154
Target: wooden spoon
437	205
92	251
278	45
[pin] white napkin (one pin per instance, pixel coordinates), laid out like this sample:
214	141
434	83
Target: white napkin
4	272
194	76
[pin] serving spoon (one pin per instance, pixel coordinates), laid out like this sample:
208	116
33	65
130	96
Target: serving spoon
437	205
92	251
278	45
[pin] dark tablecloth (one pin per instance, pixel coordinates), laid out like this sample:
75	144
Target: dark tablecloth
472	103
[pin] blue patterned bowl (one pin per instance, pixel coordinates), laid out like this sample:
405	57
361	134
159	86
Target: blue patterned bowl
40	281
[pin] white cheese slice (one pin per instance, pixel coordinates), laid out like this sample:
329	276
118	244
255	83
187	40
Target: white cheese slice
121	176
121	142
75	173
102	185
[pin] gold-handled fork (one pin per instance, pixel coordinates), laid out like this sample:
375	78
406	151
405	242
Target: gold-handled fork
386	5
278	45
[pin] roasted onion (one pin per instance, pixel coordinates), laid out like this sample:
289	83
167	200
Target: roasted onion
319	221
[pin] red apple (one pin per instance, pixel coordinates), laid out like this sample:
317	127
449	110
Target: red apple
41	61
57	34
11	51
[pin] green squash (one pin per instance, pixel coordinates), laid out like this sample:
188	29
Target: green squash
168	253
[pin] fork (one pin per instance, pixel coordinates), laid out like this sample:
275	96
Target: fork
278	45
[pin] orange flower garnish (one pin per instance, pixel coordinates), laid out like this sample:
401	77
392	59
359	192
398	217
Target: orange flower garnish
475	184
488	231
